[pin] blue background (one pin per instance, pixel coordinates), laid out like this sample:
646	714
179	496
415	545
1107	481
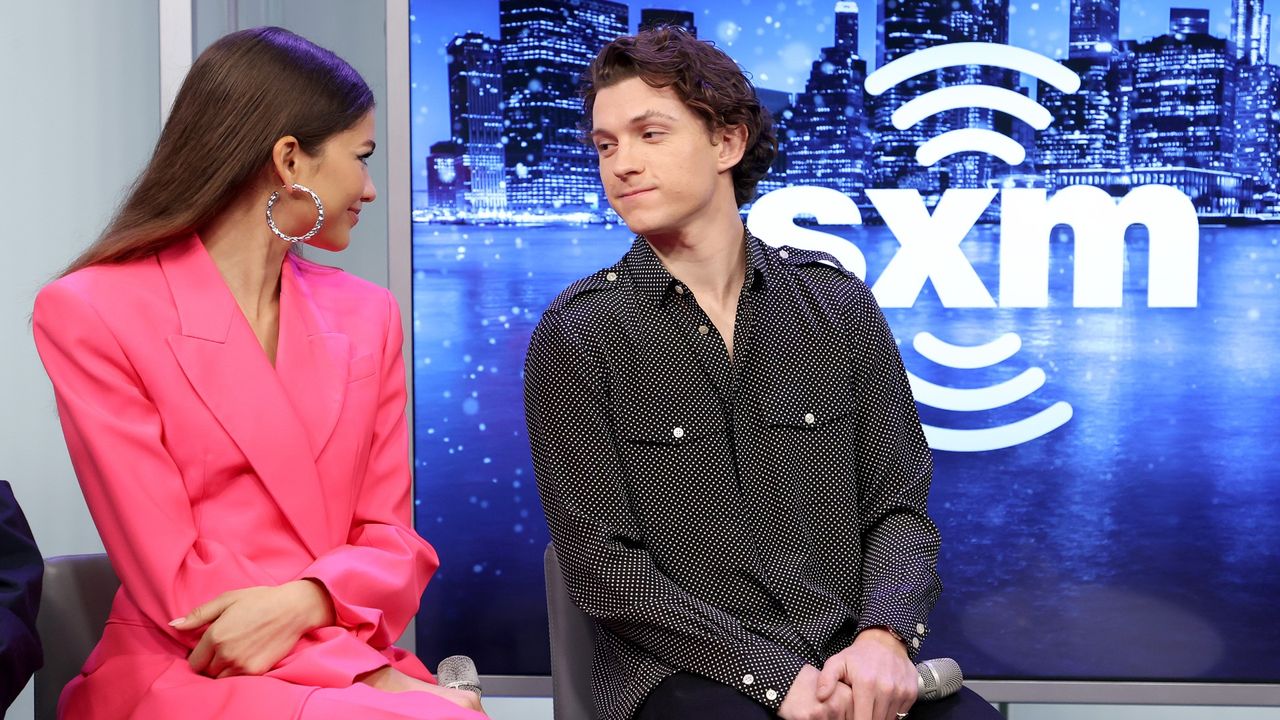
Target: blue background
1138	541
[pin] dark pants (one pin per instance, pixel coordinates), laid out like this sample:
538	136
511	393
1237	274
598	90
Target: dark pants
689	696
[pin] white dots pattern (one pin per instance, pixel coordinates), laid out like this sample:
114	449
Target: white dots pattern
738	518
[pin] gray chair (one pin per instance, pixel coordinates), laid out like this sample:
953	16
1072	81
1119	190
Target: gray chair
572	643
78	590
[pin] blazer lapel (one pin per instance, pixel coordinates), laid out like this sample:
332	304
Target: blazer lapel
224	362
311	359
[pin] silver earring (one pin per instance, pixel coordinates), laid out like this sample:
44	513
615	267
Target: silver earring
271	221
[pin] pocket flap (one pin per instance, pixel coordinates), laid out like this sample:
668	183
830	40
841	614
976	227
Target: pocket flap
675	422
808	407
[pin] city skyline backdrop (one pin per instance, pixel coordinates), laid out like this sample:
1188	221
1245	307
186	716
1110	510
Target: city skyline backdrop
777	53
1100	525
511	151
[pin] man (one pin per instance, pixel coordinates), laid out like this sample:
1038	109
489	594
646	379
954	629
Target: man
723	435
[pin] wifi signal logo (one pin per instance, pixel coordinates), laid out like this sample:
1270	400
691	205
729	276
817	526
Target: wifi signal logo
1005	347
986	398
956	97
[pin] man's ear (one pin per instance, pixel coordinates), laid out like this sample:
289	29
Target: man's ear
731	140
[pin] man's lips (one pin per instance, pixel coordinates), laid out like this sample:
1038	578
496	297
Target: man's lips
355	215
634	193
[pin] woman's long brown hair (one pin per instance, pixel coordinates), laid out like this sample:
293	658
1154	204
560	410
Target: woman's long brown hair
243	93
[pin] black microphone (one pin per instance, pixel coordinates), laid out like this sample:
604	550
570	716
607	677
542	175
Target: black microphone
939	678
459	672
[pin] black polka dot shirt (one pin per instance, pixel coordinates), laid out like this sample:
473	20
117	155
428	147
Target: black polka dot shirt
733	518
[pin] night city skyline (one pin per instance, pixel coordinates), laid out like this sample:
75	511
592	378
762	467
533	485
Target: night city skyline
1213	137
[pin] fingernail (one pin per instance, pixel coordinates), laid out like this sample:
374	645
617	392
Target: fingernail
176	622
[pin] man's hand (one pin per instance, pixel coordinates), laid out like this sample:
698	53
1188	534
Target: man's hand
802	703
877	671
252	629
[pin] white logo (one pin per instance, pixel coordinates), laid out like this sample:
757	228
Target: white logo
930	242
983	96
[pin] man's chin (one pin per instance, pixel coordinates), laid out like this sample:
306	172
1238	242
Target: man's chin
640	227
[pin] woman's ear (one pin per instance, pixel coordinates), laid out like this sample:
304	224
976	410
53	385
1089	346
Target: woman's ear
732	144
285	156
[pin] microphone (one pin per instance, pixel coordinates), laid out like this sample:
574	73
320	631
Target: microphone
459	672
939	678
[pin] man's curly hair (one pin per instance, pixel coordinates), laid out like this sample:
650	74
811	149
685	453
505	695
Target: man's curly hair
704	77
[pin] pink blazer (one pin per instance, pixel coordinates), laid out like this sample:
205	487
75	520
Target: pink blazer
206	469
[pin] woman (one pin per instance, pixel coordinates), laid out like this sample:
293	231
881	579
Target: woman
235	414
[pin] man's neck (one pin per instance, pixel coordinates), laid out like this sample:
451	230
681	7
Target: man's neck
709	257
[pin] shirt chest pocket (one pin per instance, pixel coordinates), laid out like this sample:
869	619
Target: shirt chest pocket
678	468
665	440
813	428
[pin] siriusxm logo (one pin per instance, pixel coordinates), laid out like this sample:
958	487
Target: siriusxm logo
929	243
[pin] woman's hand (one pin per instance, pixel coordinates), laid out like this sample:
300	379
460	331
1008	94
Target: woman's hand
390	679
252	629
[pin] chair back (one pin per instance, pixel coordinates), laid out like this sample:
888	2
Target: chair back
74	604
572	646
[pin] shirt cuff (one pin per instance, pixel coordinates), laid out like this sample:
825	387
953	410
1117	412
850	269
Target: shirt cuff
910	632
766	674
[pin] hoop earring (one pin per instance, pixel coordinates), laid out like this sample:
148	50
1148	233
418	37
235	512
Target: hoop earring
292	239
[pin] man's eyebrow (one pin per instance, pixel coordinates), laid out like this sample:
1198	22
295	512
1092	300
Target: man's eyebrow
638	119
652	114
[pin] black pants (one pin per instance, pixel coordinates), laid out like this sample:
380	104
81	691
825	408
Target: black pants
690	696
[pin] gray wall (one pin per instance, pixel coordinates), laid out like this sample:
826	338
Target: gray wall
86	84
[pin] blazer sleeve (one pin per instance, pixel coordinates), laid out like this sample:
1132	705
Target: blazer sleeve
377	578
132	485
135	492
608	572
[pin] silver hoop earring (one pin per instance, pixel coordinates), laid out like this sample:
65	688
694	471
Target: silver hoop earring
271	221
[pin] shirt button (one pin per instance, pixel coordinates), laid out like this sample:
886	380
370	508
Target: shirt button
915	643
784	254
920	628
611	276
770	694
703	329
748	679
678	432
809	419
680	289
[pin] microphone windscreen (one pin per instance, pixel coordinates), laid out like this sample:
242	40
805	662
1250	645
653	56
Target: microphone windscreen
939	678
458	671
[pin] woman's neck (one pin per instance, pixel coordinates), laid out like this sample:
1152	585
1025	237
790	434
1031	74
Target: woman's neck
248	256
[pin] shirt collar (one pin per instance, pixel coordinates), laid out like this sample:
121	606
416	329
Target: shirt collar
655	283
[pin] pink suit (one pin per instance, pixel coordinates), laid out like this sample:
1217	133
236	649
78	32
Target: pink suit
206	469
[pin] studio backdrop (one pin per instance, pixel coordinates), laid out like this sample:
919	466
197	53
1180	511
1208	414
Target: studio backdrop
1066	210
